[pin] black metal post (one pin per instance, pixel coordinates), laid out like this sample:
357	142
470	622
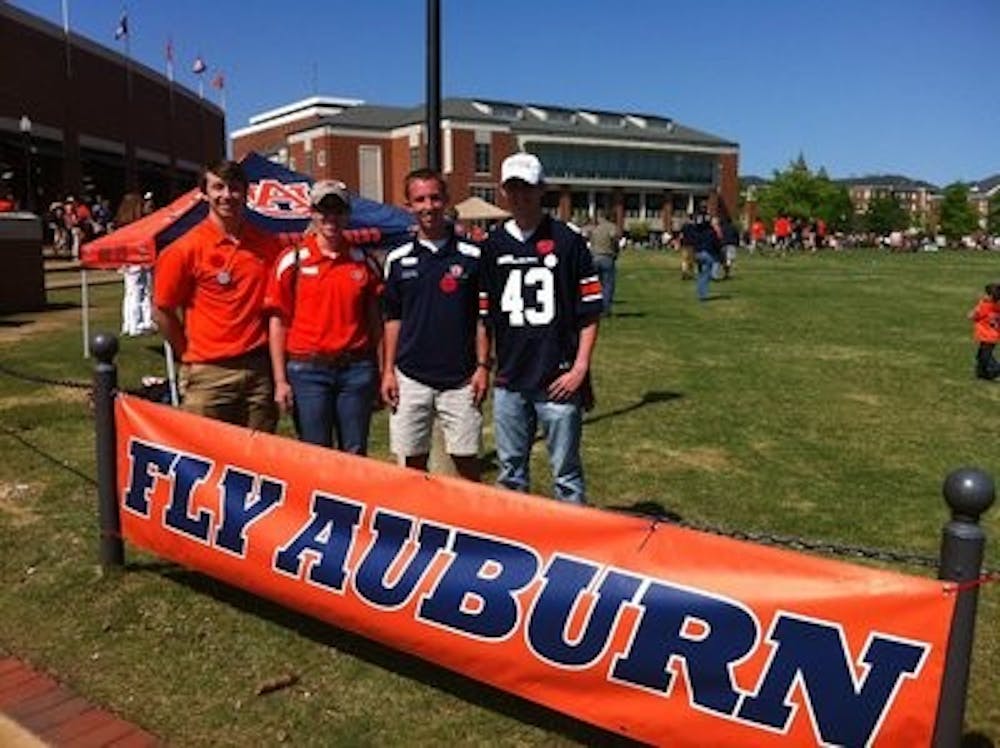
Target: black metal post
434	85
112	549
969	492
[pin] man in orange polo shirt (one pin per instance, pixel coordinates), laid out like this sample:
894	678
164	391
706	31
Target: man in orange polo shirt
209	295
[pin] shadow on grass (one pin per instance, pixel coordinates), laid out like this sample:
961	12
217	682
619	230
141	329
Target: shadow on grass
648	398
976	740
648	508
50	458
384	657
52	306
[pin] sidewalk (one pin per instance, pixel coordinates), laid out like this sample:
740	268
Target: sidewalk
65	273
35	710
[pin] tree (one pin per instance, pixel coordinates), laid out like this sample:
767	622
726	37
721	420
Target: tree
993	216
798	193
885	214
958	217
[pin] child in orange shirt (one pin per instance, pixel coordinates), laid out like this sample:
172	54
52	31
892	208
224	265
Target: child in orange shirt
986	319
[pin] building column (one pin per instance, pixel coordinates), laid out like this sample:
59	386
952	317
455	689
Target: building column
591	205
667	211
565	203
618	207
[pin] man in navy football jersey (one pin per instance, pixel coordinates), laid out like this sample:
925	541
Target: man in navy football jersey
541	301
435	361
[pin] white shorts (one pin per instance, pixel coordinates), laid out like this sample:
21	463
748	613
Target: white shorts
410	425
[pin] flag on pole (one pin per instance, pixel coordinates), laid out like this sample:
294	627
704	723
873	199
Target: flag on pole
170	59
218	82
199	66
122	30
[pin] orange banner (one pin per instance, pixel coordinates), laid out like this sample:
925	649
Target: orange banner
660	633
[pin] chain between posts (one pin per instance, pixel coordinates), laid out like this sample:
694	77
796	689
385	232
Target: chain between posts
794	542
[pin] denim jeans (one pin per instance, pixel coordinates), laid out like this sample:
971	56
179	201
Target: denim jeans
605	267
327	399
515	416
705	262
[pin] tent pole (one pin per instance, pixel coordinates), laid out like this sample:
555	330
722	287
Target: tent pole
168	354
85	304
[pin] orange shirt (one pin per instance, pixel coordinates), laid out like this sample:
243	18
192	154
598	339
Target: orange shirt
325	301
782	227
986	317
219	283
758	231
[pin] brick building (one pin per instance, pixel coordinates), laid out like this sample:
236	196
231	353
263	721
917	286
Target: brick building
640	167
85	118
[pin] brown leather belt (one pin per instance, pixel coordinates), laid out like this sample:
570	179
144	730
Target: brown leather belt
332	360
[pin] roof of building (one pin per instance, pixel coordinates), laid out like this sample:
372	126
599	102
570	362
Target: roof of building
893	181
989	186
526	119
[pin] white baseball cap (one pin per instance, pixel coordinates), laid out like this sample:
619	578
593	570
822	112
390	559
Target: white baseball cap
329	188
523	166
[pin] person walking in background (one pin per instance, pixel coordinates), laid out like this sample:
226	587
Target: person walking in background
137	301
541	300
782	233
707	252
985	317
216	276
604	247
687	240
730	237
436	364
758	235
325	327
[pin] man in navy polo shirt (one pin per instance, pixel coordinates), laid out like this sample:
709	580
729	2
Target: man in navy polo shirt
435	360
541	300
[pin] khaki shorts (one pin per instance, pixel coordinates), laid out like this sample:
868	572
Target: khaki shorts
238	390
410	425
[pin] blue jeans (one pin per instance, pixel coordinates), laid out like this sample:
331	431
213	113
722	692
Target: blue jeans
605	267
705	262
328	398
515	417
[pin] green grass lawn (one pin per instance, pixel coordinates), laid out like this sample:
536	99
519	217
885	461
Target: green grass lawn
825	396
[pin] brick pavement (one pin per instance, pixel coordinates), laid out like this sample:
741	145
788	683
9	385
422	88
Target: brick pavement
36	710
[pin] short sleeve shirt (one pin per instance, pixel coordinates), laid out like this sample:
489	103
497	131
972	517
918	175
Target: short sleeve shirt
325	301
218	281
536	294
433	291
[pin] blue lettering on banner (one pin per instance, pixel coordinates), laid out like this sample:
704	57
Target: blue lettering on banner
237	486
708	634
476	594
815	655
575	615
188	472
566	580
326	539
140	482
391	532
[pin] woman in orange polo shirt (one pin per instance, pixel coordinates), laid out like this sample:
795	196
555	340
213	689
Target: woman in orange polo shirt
324	328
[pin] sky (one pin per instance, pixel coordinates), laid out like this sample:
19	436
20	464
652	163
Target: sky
857	87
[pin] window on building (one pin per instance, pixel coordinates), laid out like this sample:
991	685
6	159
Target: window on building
414	157
550	203
633	205
370	170
321	158
482	158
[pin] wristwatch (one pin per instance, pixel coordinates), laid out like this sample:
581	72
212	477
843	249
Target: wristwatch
487	364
